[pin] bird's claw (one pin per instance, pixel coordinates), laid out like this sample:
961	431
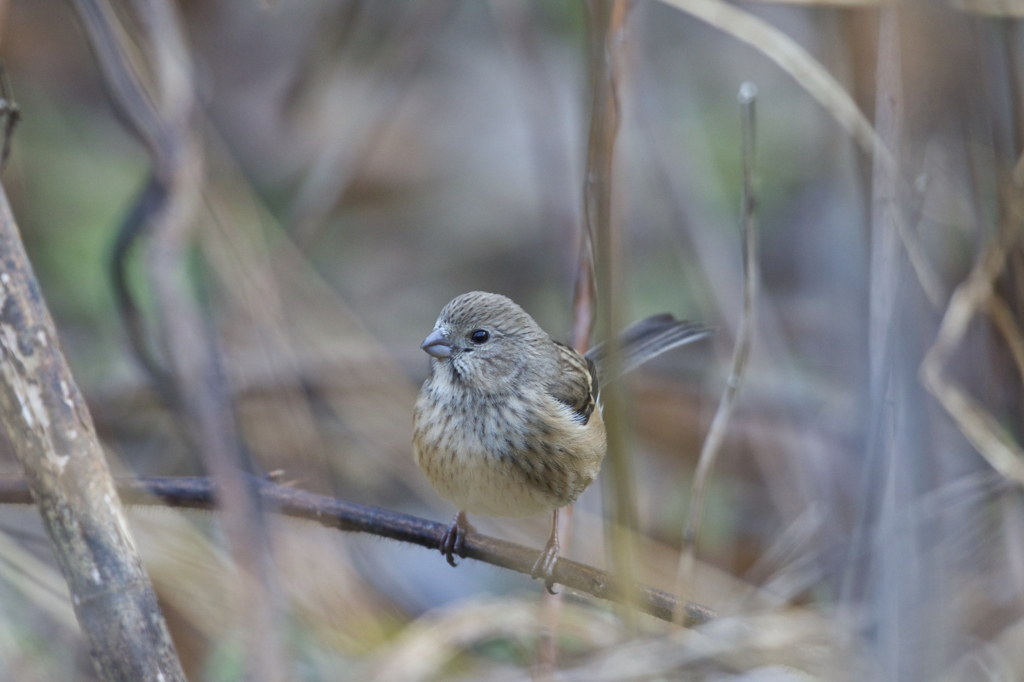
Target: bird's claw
545	566
454	539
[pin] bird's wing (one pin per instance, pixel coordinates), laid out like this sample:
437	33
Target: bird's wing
575	384
642	341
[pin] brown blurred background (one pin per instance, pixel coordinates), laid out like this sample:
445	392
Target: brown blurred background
365	162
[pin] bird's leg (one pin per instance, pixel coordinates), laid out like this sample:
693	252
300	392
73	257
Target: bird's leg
545	566
454	539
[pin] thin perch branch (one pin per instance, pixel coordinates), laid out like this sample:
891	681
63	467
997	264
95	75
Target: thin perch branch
200	493
741	351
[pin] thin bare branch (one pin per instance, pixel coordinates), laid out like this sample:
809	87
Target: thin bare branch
201	493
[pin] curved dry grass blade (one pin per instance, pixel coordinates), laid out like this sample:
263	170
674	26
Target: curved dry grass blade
424	649
794	60
974	421
926	275
819	84
1003	318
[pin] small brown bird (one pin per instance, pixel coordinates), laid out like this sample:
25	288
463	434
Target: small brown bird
509	421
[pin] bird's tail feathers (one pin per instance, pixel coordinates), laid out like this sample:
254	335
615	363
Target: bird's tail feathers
642	341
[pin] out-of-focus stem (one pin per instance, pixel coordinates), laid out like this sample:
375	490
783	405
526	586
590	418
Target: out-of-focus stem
741	350
161	111
607	22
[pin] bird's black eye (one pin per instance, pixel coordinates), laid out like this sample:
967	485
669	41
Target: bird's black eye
479	336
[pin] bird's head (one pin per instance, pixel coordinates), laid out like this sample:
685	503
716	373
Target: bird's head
486	340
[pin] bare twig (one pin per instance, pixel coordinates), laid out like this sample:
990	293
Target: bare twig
741	350
583	300
200	493
53	437
551	608
129	94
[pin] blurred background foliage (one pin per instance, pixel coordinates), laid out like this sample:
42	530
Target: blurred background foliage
368	161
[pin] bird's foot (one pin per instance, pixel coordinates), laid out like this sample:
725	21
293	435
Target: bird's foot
545	565
454	539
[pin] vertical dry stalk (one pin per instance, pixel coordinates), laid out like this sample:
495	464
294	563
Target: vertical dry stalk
583	300
583	314
884	244
741	351
607	20
53	437
885	202
899	459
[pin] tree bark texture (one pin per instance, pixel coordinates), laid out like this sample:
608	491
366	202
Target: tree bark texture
53	437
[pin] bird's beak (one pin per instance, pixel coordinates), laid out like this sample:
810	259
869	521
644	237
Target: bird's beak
437	344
